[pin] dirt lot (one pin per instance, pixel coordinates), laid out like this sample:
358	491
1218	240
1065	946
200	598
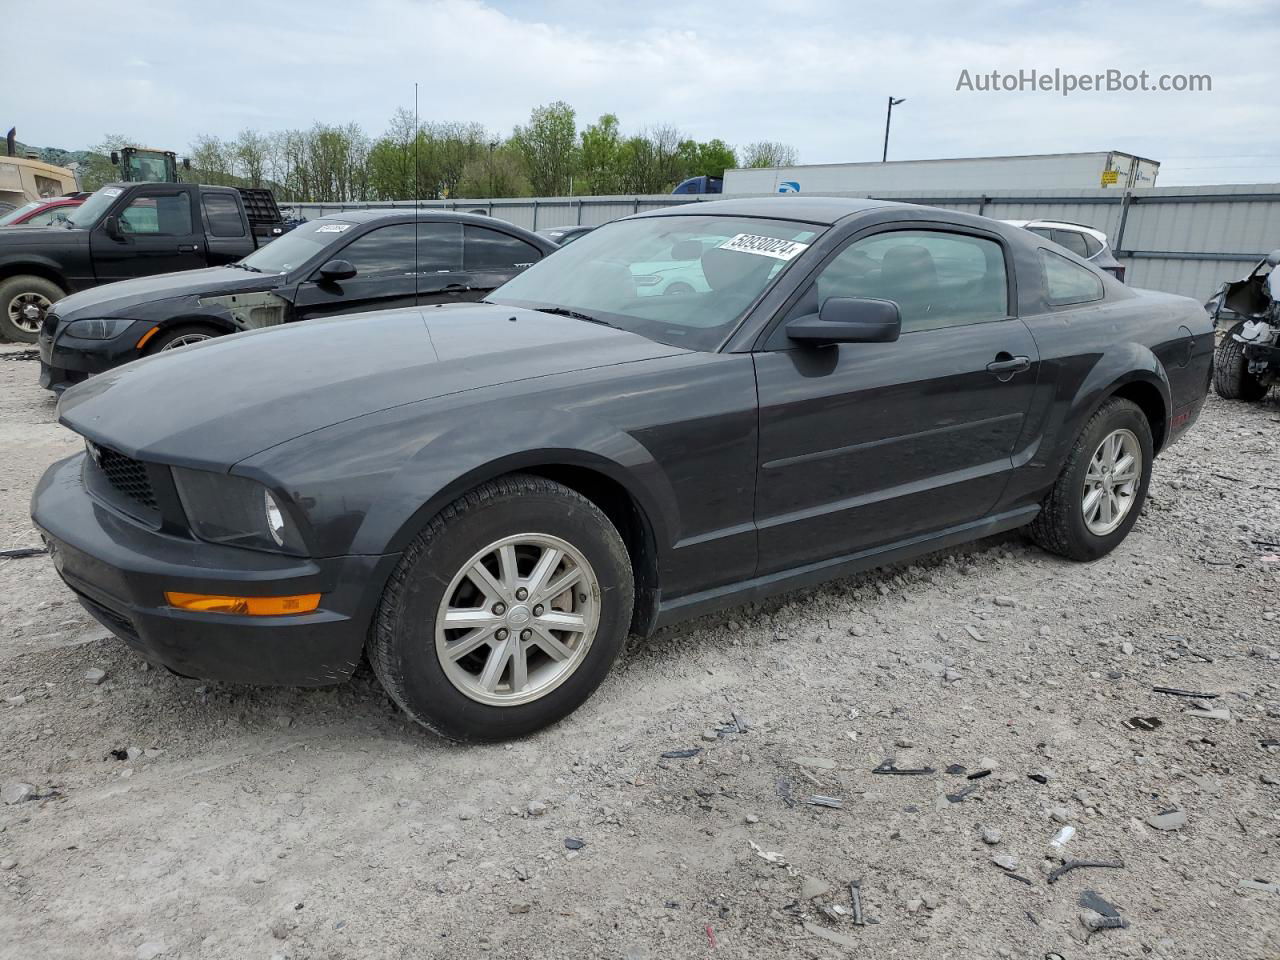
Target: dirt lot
178	819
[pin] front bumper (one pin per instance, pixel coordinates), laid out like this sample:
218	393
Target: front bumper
66	361
119	570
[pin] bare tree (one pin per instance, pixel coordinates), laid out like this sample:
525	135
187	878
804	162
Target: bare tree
769	153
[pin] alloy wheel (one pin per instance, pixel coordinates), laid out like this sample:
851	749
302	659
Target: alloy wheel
1111	482
27	310
185	341
518	619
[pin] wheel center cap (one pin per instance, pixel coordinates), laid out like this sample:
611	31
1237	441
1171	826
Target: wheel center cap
31	312
518	616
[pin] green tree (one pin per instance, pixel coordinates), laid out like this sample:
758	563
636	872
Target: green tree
99	170
709	159
548	146
599	156
249	152
495	173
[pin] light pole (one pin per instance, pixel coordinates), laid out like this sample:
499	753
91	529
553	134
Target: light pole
887	117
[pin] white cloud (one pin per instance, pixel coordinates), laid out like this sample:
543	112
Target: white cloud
814	73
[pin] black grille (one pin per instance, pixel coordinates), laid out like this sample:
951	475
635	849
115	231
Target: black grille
127	475
113	620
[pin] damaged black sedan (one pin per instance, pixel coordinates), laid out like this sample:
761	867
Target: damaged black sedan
485	498
355	262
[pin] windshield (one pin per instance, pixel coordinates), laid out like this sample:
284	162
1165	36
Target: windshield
91	211
682	280
296	247
14	215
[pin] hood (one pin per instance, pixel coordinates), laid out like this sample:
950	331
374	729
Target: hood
26	235
117	299
211	405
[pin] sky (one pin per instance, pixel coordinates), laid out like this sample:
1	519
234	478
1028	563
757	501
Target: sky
811	73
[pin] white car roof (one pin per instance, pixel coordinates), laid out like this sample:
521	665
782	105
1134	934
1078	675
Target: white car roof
1060	225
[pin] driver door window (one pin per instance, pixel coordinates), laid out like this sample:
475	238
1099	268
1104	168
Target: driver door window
385	252
157	215
937	279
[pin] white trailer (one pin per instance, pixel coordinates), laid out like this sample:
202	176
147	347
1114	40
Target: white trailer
932	178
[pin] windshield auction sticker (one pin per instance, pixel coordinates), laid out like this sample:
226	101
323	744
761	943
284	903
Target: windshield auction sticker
333	228
765	246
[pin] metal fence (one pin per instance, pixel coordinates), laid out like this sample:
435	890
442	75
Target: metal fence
1185	240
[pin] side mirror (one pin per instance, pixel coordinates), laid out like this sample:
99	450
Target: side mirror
115	158
111	227
848	320
336	270
186	163
1273	258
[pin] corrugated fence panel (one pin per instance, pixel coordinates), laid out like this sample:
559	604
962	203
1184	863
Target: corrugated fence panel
1185	240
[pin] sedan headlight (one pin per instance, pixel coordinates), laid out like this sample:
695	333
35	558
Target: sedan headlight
236	511
107	328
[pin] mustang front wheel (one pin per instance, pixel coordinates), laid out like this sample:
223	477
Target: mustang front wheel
506	613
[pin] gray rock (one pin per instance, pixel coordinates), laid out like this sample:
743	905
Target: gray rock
150	950
812	887
951	676
17	701
1126	648
8	863
857	631
1005	602
1169	820
519	907
17	792
1005	861
536	808
133	753
96	675
991	836
1060	815
710	736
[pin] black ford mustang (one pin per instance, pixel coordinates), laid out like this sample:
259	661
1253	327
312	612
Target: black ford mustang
486	497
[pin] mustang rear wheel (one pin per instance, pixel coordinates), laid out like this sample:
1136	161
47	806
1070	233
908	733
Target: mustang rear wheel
1099	494
506	613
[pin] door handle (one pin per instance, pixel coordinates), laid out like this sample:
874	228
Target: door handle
1005	365
188	248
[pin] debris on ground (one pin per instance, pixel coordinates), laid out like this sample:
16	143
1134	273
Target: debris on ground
681	754
95	675
573	843
1142	723
887	767
1175	692
1069	865
1168	820
20	552
818	800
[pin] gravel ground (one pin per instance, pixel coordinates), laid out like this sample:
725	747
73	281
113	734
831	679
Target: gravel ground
178	819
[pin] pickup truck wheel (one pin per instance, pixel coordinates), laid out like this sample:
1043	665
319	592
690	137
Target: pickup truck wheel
1099	494
1231	377
183	336
24	300
505	613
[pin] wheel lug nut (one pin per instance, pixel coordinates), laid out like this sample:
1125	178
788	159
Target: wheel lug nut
526	634
502	634
499	609
537	611
522	594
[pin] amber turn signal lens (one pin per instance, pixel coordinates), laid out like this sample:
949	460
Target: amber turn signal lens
142	342
247	606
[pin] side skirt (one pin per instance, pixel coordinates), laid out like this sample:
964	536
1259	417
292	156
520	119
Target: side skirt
758	588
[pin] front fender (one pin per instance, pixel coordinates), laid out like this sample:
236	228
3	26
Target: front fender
33	263
399	468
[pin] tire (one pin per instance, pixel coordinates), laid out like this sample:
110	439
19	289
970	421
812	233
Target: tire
1231	377
446	693
173	339
16	293
1062	526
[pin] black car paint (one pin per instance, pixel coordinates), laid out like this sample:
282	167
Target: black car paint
756	468
191	297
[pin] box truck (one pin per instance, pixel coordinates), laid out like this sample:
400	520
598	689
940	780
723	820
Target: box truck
931	178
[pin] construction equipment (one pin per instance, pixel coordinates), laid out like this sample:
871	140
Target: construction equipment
148	165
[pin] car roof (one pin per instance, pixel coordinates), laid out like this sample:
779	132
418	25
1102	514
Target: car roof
823	210
409	214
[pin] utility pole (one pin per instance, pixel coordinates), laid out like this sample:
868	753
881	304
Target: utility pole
887	117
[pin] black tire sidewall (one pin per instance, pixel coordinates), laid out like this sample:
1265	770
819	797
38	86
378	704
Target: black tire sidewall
1084	543
427	691
12	287
1231	377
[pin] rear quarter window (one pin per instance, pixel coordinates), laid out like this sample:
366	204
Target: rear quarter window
1067	282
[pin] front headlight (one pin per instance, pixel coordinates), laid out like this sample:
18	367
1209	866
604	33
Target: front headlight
107	328
236	511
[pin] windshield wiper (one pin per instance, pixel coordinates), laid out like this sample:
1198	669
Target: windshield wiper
575	314
244	266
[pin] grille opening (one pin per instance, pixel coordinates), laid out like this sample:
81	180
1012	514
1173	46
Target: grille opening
126	475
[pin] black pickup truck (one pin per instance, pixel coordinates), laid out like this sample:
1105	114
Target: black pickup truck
127	230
